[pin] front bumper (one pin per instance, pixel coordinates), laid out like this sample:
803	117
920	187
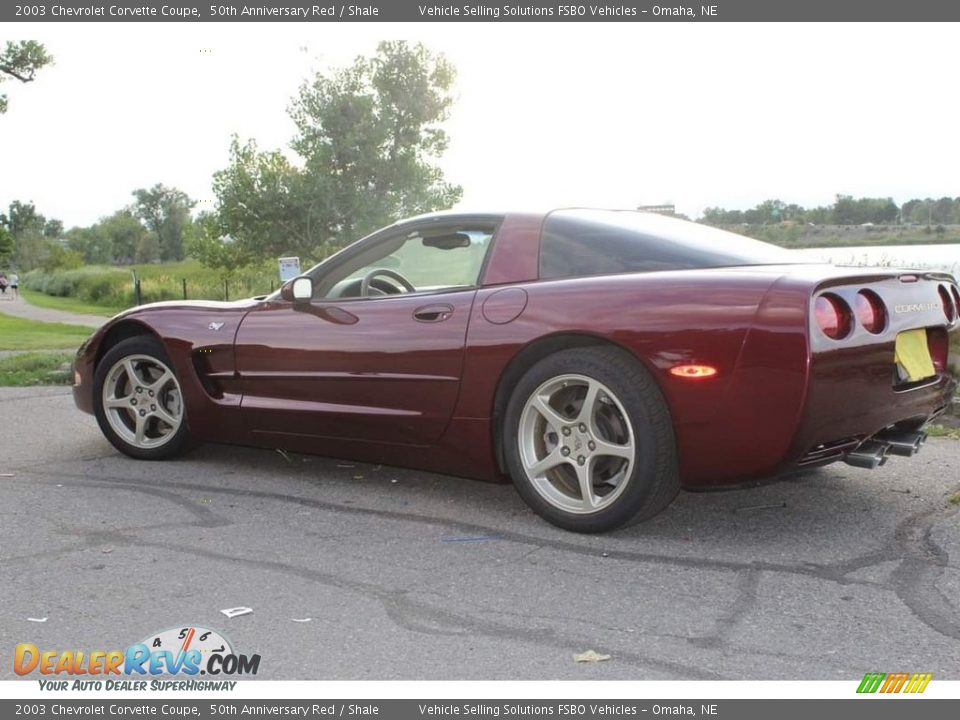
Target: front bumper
82	371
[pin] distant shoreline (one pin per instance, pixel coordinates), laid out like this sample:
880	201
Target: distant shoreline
803	236
893	242
944	257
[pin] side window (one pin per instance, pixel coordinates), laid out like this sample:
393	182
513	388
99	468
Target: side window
421	261
577	243
572	247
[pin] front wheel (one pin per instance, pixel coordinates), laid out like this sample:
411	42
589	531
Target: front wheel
138	402
589	441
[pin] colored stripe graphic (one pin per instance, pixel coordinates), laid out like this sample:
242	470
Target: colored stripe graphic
918	683
895	682
871	682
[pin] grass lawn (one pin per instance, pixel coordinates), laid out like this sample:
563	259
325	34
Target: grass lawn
35	368
942	431
20	334
69	304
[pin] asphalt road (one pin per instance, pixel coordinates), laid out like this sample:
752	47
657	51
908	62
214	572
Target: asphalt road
18	307
412	575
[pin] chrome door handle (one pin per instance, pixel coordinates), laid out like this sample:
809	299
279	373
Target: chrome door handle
432	313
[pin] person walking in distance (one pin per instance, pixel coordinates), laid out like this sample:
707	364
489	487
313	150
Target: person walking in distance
14	283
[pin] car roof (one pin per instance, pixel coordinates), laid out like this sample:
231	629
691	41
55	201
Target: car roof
443	215
470	213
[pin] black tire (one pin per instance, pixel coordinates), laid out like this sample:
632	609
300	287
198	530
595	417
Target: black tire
178	442
654	481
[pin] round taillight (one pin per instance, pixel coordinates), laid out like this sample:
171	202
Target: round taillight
956	297
947	302
833	316
870	310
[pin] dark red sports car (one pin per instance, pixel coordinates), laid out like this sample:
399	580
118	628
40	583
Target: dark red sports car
600	359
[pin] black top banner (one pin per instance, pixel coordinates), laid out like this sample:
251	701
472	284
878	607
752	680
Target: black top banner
440	11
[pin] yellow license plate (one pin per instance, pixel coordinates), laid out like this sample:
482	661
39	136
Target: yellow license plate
913	355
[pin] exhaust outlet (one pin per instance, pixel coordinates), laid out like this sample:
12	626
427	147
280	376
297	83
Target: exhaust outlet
904	444
869	455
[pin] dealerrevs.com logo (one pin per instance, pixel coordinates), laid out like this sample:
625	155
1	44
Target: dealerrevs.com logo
185	651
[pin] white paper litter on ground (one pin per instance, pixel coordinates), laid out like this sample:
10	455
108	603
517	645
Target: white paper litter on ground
237	611
590	656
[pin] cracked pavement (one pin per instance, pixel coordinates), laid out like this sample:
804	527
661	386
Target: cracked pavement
410	575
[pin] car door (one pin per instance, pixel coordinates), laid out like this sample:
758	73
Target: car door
382	367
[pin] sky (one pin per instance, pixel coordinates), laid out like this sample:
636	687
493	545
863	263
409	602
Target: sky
546	115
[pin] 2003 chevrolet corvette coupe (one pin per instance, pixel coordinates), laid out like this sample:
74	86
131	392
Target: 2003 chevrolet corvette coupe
600	359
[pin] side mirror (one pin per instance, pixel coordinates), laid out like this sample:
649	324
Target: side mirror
298	290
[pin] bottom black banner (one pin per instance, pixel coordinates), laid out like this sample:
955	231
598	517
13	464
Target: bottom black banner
874	708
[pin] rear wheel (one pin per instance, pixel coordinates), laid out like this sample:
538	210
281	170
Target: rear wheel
589	441
138	402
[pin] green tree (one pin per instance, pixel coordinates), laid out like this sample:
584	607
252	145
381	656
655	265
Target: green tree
260	204
819	215
114	239
850	211
908	209
88	242
53	228
166	212
123	234
28	230
368	137
719	216
6	246
206	243
373	128
81	239
23	217
943	211
33	250
844	211
20	61
767	212
60	258
148	249
793	212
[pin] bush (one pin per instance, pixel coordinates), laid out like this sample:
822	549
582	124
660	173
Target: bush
101	286
112	287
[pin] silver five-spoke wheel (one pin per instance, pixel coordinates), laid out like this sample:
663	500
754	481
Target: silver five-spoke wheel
576	443
142	401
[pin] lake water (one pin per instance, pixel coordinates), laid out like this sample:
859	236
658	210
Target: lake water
918	257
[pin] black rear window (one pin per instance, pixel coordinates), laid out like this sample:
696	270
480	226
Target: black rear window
602	242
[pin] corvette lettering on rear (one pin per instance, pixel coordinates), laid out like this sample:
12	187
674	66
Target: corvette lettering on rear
915	307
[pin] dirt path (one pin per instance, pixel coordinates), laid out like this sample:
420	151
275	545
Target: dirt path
18	307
